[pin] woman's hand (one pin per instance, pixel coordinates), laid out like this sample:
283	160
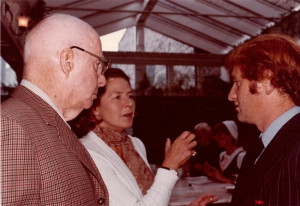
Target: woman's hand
180	151
204	200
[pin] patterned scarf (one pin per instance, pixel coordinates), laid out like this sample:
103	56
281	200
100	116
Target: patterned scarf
123	146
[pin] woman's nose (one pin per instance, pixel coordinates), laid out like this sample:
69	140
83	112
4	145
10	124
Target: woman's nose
128	102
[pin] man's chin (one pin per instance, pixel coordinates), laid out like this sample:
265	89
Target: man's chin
89	104
244	119
240	117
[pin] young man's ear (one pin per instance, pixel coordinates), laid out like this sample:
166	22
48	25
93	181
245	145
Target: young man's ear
66	61
264	87
268	87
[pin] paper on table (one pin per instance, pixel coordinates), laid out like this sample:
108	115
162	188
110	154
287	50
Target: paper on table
198	180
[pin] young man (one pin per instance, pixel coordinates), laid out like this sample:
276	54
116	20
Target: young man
266	90
42	160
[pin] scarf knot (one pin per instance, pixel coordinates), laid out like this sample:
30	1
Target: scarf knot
123	146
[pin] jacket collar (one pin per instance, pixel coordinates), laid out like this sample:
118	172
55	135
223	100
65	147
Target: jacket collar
52	118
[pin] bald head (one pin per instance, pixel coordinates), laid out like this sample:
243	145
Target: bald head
201	127
203	134
53	34
68	76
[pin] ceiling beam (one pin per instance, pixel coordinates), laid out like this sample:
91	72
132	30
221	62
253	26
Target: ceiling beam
141	18
152	58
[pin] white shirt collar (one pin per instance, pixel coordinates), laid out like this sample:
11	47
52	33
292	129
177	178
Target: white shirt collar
276	125
35	89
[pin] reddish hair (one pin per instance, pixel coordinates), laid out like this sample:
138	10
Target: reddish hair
269	56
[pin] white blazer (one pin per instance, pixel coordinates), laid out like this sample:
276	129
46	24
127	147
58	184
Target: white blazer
121	184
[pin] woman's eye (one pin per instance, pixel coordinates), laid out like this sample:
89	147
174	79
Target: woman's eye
132	96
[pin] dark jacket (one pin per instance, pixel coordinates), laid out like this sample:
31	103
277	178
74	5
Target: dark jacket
275	178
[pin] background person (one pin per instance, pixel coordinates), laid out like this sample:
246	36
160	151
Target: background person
266	89
230	160
121	158
206	148
42	160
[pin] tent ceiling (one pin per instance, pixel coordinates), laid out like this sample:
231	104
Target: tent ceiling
210	26
213	26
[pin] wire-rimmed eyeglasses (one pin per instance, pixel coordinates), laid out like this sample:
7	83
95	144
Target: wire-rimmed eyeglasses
103	65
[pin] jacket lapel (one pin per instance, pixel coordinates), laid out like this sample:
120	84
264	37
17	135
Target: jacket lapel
108	155
276	150
52	118
253	176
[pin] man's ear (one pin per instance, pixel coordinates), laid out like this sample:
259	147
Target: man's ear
268	87
66	61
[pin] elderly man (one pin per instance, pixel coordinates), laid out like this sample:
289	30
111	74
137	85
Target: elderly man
266	89
42	160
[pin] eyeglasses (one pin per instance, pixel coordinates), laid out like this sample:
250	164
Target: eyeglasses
104	64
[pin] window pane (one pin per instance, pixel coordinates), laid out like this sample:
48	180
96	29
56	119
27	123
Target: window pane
184	76
156	75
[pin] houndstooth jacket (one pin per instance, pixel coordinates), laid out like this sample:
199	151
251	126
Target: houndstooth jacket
42	160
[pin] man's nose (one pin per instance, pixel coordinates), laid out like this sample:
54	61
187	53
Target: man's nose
232	93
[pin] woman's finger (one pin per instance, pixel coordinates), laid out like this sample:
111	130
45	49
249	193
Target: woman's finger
167	145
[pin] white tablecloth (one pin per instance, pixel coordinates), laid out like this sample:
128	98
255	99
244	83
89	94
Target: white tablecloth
190	188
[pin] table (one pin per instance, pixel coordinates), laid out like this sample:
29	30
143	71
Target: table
188	189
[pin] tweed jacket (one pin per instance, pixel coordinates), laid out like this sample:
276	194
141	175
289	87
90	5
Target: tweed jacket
42	160
275	178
